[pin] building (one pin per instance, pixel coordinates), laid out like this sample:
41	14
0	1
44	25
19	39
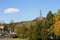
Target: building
40	17
1	27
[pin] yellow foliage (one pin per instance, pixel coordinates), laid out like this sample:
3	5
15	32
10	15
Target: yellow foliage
57	23
57	28
56	18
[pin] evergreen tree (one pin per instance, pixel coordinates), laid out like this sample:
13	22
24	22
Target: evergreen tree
44	32
5	27
49	18
11	26
31	32
37	30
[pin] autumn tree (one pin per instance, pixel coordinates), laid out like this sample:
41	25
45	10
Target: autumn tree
57	23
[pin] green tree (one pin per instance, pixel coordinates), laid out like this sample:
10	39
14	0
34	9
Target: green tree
31	32
49	18
5	27
39	31
21	30
44	32
36	34
11	26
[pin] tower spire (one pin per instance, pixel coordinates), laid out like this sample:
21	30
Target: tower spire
40	13
40	16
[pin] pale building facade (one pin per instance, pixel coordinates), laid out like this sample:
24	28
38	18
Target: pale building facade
1	27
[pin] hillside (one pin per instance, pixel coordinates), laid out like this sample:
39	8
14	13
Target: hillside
27	23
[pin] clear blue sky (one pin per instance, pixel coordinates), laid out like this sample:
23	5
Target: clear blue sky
29	9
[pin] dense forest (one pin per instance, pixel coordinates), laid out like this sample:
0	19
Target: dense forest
47	28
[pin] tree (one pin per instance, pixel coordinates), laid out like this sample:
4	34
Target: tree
39	31
36	35
49	18
21	30
11	26
44	32
31	32
5	27
57	23
57	28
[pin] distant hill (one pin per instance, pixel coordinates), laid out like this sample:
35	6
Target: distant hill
28	23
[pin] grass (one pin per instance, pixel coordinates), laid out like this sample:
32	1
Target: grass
15	39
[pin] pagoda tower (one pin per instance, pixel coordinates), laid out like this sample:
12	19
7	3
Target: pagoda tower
40	17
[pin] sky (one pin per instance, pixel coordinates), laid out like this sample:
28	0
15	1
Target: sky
25	10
